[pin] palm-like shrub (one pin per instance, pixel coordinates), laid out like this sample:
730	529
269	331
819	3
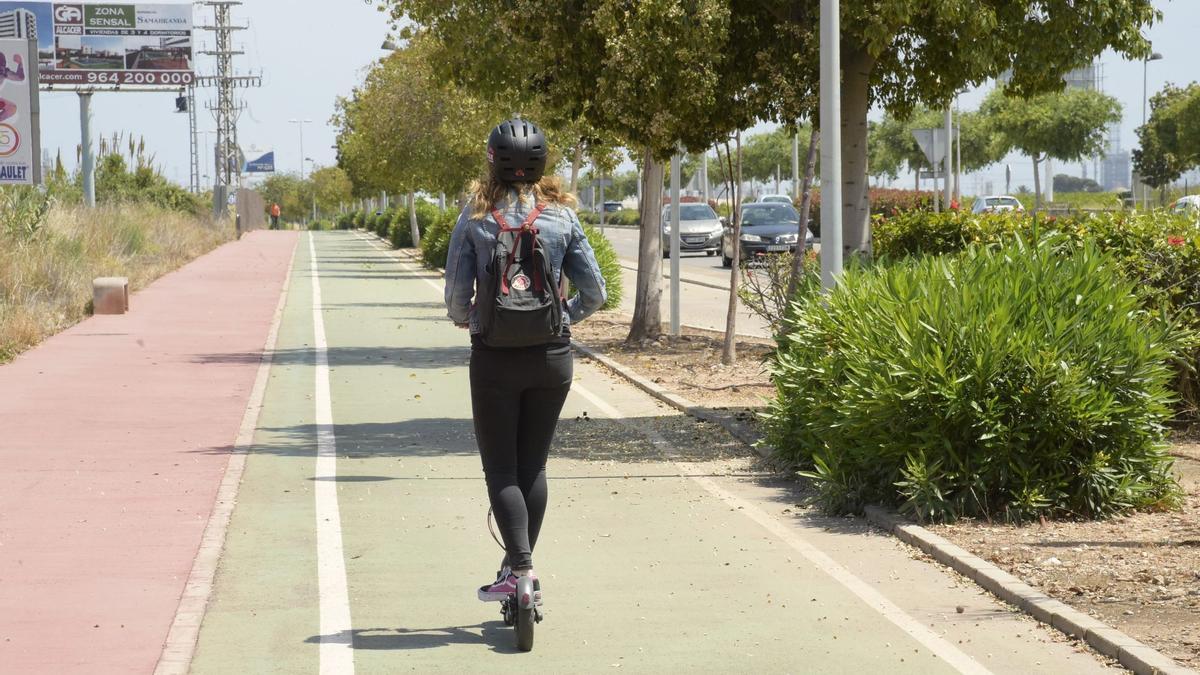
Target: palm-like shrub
1010	381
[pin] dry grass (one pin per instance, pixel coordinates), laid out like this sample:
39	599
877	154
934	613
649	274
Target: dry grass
46	279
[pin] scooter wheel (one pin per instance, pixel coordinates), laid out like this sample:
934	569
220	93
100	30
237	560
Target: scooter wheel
525	623
508	609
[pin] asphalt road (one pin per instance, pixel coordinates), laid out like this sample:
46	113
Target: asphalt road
702	305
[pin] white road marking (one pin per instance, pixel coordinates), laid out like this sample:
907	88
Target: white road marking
952	655
337	656
180	646
405	263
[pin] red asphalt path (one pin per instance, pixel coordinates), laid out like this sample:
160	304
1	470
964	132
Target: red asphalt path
114	437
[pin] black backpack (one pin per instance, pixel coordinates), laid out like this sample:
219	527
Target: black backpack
520	304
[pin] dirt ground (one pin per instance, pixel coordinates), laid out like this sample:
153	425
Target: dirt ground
690	365
1139	573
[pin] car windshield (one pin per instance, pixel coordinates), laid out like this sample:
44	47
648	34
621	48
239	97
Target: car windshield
690	212
769	214
1002	201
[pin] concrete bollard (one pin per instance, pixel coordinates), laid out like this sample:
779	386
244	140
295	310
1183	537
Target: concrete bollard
110	295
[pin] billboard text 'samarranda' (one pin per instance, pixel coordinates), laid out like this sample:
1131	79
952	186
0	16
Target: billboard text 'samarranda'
105	45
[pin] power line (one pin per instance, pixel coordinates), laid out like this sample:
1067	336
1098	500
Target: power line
228	164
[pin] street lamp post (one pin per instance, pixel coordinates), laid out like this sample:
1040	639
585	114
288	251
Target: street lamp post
831	144
1154	56
314	190
301	123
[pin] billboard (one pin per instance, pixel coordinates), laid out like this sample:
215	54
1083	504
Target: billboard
261	164
103	45
17	153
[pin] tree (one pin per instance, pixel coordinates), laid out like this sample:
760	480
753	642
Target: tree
289	192
1065	183
1170	139
331	187
892	147
1066	125
900	54
656	75
407	129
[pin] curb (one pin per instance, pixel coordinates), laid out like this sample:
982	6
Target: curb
1110	642
1130	653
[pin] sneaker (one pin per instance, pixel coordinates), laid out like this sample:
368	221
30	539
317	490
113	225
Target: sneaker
503	587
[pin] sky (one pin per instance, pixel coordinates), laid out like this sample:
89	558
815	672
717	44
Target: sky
310	52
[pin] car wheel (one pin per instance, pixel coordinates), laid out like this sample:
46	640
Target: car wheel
711	253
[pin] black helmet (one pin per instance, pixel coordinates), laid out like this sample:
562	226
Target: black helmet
517	151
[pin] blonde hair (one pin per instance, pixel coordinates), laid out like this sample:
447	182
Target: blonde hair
489	192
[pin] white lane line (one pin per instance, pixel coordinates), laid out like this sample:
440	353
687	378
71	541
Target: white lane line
180	646
943	649
337	656
419	272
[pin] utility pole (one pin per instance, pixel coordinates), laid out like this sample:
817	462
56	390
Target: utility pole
228	108
193	132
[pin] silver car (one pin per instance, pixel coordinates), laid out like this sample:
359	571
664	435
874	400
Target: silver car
700	229
996	204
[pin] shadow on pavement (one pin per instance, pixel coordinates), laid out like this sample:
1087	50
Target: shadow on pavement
492	633
402	357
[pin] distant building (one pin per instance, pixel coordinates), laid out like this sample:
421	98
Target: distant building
18	23
1116	170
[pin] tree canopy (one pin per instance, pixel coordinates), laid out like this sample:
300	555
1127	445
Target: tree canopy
407	129
1170	139
1065	125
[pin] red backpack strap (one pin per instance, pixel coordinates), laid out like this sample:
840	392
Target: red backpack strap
526	226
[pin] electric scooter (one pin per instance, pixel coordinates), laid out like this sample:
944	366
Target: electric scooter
522	609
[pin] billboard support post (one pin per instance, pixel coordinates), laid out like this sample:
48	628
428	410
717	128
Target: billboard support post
35	111
88	154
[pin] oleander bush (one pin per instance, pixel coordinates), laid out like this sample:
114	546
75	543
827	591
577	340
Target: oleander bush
435	238
1158	251
885	202
1010	381
610	266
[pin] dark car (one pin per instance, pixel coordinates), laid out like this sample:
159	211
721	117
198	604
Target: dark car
766	228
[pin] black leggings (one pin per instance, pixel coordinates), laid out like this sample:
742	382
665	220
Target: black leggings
516	397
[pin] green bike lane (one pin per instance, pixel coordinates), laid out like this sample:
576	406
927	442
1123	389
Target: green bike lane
663	550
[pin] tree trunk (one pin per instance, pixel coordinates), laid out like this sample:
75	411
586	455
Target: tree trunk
1037	186
576	165
856	103
729	351
647	307
412	219
805	211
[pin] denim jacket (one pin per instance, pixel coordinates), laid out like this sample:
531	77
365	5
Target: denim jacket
473	242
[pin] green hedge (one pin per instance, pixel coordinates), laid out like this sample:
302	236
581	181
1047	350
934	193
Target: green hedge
1007	382
435	239
610	266
1158	251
